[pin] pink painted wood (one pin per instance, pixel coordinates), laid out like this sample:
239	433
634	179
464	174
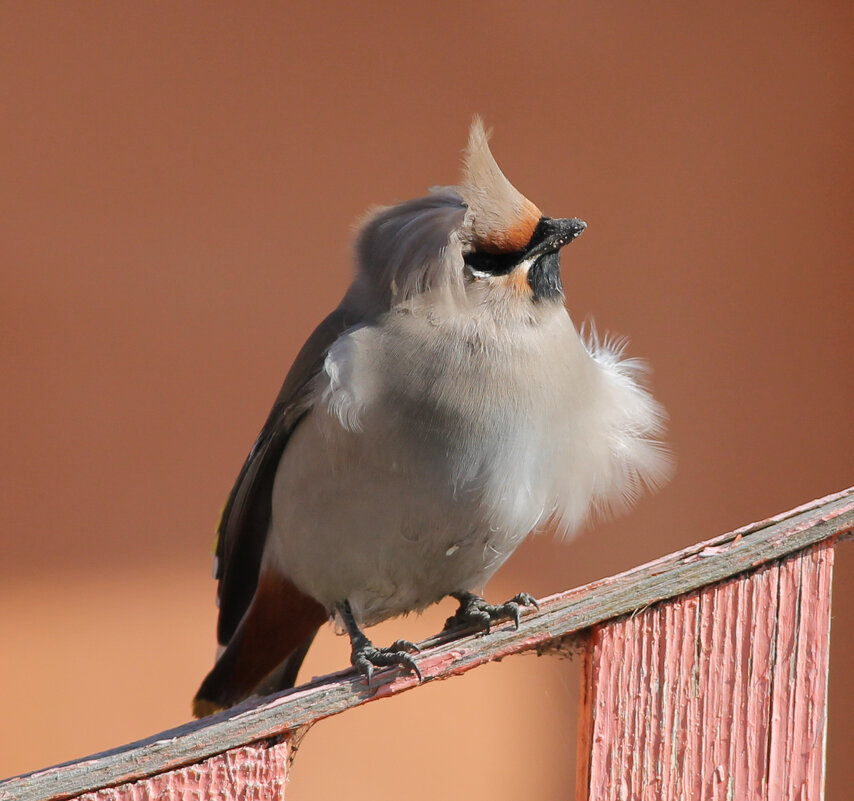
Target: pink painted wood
717	694
257	772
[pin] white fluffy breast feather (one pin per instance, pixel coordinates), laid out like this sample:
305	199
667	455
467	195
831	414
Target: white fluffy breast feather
528	422
625	427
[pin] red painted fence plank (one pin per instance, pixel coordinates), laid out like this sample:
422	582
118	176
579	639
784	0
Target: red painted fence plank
799	713
257	772
718	694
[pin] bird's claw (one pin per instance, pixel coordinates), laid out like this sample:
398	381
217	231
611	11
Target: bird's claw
475	611
404	645
367	657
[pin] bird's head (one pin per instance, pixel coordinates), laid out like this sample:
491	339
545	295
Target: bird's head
480	237
508	240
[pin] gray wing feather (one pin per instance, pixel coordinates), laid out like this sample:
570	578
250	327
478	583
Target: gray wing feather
242	530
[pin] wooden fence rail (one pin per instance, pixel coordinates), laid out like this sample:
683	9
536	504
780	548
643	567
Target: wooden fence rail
705	677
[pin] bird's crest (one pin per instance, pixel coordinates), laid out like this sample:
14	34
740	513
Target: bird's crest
501	218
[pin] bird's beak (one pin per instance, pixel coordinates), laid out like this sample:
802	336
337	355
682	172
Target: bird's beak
557	233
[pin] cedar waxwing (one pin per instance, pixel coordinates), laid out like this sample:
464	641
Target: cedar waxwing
444	411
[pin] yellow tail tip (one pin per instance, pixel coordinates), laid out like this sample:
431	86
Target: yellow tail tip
202	707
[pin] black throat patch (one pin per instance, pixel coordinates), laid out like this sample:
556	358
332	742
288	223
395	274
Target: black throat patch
544	277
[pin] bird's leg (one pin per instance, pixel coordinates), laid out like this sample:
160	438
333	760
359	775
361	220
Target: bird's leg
475	611
365	656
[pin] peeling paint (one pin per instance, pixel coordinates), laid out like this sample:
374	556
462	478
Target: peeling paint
722	695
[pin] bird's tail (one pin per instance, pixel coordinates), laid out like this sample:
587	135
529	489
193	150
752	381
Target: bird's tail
266	651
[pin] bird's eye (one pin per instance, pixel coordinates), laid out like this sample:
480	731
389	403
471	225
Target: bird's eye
483	264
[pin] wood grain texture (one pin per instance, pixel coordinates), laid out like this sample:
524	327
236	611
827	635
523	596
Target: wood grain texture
719	694
560	617
257	772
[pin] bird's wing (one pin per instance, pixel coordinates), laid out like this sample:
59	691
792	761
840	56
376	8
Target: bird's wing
410	245
245	519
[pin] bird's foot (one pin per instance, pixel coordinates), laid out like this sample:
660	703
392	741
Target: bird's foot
475	611
365	656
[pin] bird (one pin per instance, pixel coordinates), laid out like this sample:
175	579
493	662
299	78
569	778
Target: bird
444	411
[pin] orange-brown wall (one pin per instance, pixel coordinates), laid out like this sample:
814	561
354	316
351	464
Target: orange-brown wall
179	184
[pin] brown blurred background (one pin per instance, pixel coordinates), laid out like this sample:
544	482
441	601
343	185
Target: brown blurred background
179	184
